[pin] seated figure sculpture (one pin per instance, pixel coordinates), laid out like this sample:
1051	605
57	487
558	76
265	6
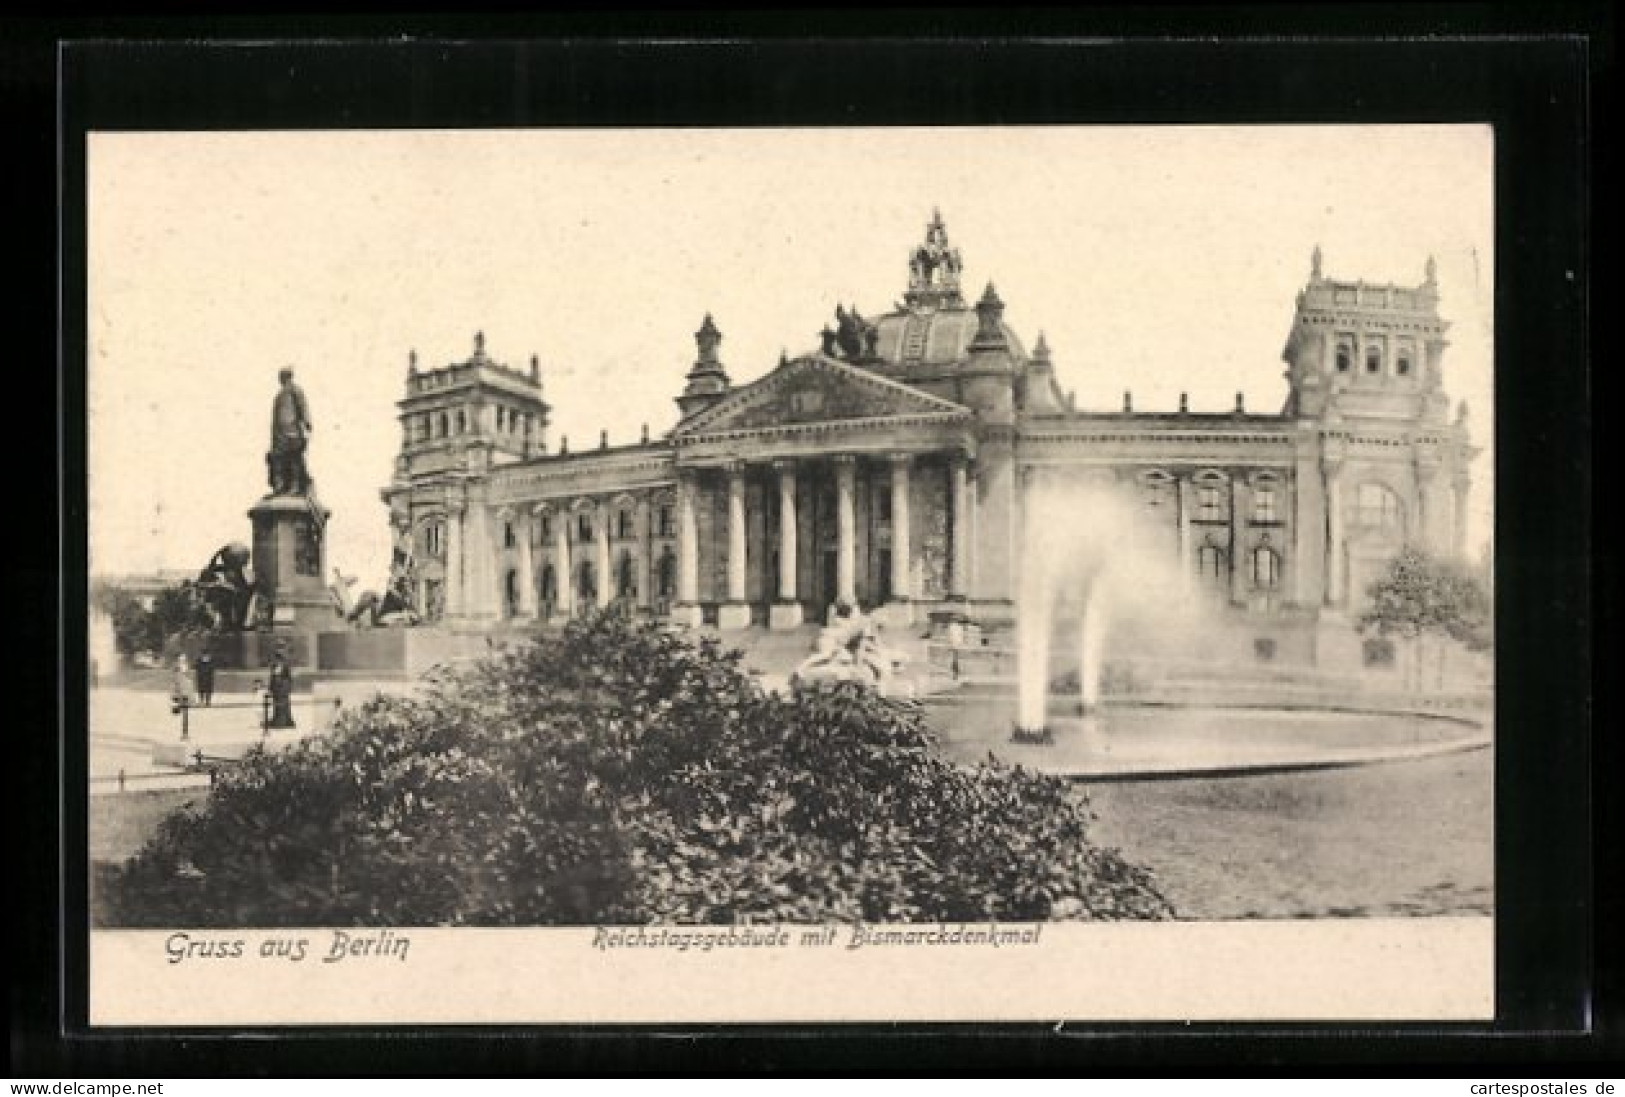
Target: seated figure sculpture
395	608
848	649
224	587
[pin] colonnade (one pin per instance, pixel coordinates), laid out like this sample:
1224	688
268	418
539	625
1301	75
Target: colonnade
789	596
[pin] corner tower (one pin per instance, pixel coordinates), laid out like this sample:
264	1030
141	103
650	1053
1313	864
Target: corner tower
478	405
1366	351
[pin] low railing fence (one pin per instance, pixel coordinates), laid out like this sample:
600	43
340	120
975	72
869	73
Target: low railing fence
266	706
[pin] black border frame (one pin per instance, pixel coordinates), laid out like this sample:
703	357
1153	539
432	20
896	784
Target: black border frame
1537	92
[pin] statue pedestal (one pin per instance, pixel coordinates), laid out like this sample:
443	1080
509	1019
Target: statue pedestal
290	559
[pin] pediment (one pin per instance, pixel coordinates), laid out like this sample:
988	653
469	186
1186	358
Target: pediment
818	389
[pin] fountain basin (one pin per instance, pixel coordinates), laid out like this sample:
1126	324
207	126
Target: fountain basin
1137	741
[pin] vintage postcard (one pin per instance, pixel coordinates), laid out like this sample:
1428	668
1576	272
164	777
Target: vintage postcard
1001	573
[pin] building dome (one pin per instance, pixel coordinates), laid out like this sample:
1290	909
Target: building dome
934	336
933	329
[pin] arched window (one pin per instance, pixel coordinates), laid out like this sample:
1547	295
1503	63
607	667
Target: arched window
586	584
510	593
550	585
666	574
1210	562
1379	508
434	539
626	577
1373	358
1266	568
1156	489
1345	357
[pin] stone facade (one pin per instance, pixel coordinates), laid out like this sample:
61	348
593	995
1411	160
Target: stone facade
888	469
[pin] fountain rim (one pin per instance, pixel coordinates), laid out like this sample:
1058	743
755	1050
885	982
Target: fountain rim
1389	754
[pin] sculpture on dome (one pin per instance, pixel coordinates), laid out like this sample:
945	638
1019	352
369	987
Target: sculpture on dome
854	337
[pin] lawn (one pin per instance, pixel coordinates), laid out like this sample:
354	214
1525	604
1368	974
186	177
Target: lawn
1392	839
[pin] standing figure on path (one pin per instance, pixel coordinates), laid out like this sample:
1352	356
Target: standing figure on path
290	432
281	691
205	679
182	690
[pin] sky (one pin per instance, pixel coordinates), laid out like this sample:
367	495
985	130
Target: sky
1156	259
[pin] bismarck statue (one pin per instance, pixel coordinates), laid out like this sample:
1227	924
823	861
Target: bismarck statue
290	530
290	436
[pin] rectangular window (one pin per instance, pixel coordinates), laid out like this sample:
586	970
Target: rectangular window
1264	505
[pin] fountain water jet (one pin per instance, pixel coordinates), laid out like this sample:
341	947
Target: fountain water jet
1091	645
1082	546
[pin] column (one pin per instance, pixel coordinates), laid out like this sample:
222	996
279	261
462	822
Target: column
646	553
688	552
1334	532
901	590
959	507
846	530
786	610
601	564
481	597
564	581
1239	563
735	614
1306	561
1187	568
527	566
455	596
1432	519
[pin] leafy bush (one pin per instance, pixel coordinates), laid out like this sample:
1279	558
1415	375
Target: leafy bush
1420	595
621	773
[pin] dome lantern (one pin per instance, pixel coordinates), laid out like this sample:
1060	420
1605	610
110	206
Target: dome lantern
933	269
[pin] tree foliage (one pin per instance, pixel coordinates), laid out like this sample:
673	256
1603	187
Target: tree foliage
175	615
621	773
1421	595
